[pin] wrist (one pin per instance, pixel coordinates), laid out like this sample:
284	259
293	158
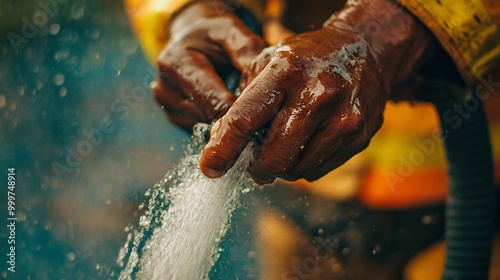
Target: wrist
397	39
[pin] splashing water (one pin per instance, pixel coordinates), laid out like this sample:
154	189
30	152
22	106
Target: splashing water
188	215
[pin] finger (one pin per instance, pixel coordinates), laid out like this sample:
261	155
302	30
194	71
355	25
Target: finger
341	150
353	146
282	145
175	102
334	137
319	148
184	122
256	106
335	161
256	66
241	44
196	77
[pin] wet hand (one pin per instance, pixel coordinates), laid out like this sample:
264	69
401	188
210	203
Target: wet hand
322	95
206	38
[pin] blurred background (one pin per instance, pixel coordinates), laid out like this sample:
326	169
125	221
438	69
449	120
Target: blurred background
79	124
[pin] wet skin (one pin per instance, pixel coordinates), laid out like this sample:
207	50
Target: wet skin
321	93
203	37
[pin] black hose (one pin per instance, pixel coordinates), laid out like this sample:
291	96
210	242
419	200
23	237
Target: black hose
470	205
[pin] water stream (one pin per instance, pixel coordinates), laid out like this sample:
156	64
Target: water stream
187	215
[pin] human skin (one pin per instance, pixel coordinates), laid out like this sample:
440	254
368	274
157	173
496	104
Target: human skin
321	93
204	37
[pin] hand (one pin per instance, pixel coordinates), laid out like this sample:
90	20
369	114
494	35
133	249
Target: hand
322	93
205	38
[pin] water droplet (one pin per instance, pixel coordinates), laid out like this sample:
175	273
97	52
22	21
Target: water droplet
77	12
21	216
346	251
61	55
252	254
71	256
3	101
40	18
320	231
54	29
59	79
426	219
47	226
95	34
337	267
63	92
129	46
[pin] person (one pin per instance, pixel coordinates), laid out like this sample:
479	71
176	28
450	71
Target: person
344	73
320	94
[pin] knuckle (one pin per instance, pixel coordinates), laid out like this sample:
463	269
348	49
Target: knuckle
241	125
215	105
358	124
158	95
297	173
164	57
267	53
170	59
354	124
218	109
314	177
242	119
255	44
276	166
165	70
364	142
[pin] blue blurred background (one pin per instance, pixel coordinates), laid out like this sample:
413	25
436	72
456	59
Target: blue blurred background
79	124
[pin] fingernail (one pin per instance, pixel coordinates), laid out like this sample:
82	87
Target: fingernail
212	173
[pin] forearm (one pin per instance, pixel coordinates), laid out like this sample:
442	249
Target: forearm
392	34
